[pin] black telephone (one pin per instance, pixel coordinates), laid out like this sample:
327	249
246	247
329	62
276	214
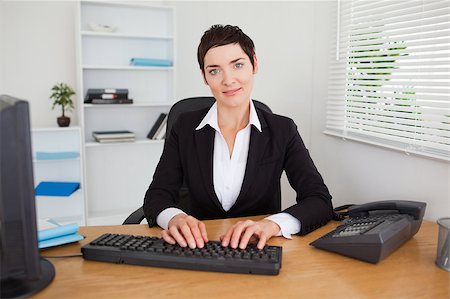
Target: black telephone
374	230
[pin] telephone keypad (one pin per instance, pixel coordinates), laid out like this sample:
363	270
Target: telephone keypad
358	226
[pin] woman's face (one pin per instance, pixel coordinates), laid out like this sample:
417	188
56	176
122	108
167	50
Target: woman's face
229	74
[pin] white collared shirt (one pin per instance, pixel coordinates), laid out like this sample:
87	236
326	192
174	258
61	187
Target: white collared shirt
228	172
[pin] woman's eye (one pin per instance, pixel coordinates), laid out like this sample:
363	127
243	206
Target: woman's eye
214	72
239	65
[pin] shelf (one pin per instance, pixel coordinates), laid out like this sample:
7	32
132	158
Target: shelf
61	208
127	68
56	160
78	219
55	129
137	142
74	196
125	4
134	105
123	35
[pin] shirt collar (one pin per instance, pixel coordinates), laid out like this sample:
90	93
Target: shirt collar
211	118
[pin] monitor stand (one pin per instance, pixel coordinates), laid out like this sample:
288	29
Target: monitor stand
21	288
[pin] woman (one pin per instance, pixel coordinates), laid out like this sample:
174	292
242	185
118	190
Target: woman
232	157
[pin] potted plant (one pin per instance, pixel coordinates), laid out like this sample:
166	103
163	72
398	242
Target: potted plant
61	94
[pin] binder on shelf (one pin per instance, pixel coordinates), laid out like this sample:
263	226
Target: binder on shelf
51	233
115	101
109	96
150	62
157	125
113	136
56	155
56	188
161	132
105	94
112	140
120	92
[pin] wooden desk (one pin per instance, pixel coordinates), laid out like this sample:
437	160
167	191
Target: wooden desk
306	272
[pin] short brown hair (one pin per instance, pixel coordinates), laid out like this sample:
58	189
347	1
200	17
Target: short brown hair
220	35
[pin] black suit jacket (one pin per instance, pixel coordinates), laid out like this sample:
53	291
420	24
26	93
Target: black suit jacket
188	154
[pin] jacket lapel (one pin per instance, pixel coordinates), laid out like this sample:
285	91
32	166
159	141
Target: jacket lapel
204	143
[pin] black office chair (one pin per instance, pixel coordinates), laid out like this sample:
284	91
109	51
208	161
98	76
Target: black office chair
186	105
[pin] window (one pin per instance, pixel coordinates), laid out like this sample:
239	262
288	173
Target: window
389	82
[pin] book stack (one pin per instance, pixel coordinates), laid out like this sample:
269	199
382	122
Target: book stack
113	136
51	233
107	96
158	131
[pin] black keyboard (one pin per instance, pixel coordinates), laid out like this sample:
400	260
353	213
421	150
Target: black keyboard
153	251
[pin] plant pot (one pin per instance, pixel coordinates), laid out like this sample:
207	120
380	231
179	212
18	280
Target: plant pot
63	121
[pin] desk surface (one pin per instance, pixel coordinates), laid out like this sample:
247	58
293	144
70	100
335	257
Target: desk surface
306	272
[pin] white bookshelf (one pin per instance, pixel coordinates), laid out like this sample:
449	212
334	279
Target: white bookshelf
56	140
118	174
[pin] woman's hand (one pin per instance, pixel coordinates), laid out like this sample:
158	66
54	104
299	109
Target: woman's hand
186	230
241	232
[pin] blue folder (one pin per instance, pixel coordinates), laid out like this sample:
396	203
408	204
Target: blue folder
60	240
58	231
56	155
56	188
58	235
150	62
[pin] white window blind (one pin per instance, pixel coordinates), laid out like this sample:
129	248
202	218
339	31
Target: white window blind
389	81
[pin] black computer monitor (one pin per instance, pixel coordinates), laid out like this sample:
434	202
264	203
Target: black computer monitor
23	271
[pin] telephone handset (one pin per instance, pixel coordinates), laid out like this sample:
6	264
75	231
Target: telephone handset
373	230
414	208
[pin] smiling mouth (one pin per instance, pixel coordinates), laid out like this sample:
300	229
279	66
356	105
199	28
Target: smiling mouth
231	92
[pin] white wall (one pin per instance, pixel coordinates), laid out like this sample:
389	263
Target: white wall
2	42
38	49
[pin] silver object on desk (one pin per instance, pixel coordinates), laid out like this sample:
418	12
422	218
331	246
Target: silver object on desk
443	248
